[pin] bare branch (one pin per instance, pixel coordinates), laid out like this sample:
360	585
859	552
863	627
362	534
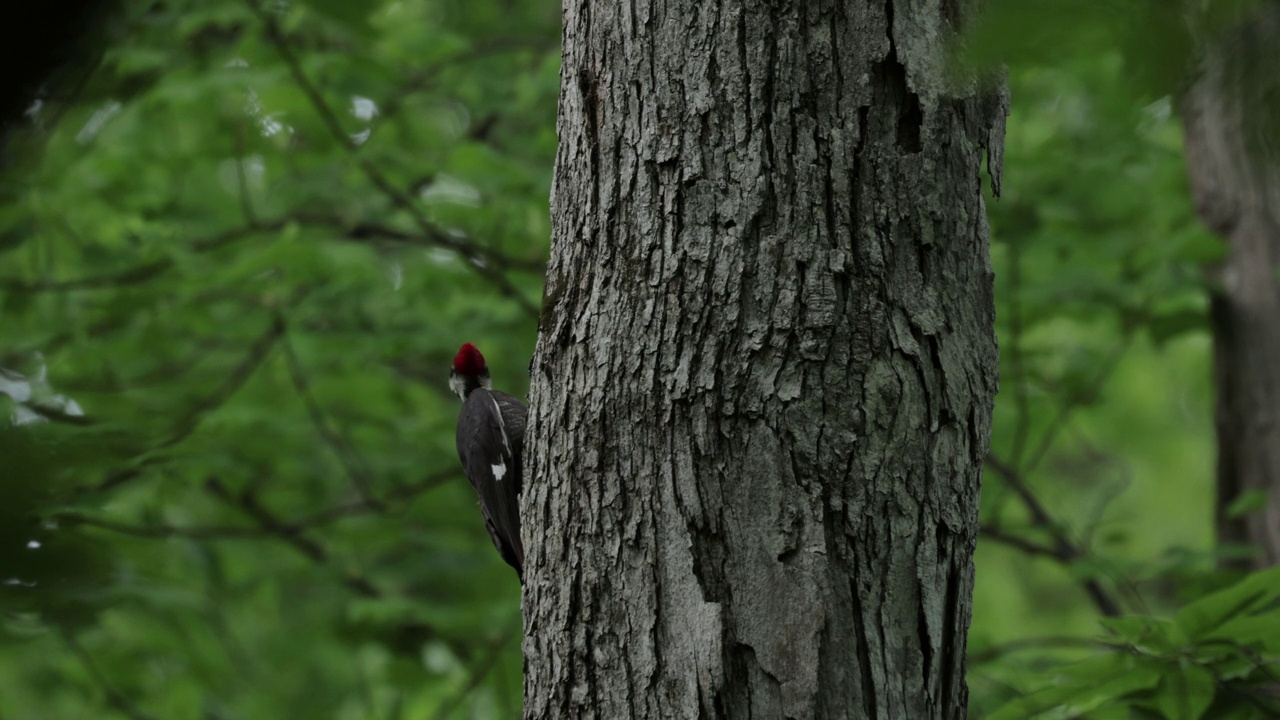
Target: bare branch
1064	550
1026	546
1040	516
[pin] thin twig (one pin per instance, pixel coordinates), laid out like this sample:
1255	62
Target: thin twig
1026	546
478	673
315	520
372	230
354	464
256	354
142	272
1017	359
1064	550
115	699
1064	413
421	78
405	492
399	198
69	100
242	180
288	533
1039	514
147	271
293	535
73	519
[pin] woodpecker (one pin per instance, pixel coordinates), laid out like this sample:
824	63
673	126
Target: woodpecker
490	446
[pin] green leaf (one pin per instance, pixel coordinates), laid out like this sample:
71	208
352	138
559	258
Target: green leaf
1247	502
1263	629
1207	613
1085	687
1185	695
1167	326
1158	634
353	14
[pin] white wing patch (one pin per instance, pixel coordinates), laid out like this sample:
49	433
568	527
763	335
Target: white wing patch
502	427
499	470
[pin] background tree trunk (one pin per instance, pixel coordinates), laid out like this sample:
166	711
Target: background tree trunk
762	390
1232	118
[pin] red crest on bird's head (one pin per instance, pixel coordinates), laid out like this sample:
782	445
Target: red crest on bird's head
469	361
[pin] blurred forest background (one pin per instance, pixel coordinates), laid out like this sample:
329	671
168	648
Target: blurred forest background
240	243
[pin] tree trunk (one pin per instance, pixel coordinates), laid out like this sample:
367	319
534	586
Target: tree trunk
1232	119
762	390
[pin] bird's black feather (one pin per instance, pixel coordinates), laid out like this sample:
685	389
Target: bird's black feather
491	437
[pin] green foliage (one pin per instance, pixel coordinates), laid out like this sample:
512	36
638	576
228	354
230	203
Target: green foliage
1156	39
235	262
1210	659
234	267
1104	414
57	576
1100	497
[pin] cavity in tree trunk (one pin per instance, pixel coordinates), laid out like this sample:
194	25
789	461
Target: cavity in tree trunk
1232	119
762	389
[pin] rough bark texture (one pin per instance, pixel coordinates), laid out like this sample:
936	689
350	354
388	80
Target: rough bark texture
763	384
1232	119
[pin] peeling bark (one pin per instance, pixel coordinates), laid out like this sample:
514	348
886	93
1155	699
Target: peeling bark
762	389
1232	118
